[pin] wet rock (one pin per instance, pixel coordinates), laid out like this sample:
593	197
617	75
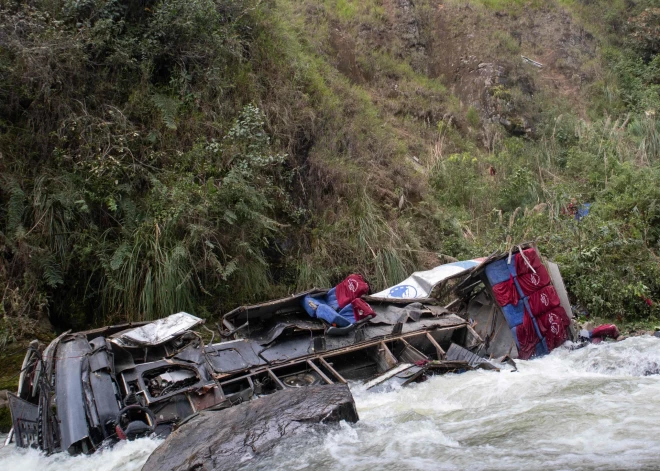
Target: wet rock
224	440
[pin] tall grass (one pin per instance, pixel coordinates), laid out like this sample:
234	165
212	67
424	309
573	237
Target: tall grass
149	276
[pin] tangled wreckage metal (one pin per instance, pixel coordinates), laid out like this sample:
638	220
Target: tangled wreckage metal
89	389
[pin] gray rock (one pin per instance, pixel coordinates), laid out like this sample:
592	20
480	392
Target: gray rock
224	440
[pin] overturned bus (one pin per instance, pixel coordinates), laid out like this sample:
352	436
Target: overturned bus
86	390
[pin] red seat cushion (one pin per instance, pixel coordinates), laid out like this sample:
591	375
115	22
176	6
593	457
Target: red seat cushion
527	338
532	256
506	292
531	282
553	325
543	300
351	288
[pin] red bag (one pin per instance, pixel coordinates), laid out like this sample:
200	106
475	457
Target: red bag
543	300
531	282
605	331
351	288
506	292
532	257
361	309
553	327
527	338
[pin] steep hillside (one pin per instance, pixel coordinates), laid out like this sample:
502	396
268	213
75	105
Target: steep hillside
196	155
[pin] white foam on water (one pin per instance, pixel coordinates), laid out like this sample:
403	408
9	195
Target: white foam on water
125	456
588	409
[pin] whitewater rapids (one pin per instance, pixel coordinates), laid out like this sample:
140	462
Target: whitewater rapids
593	408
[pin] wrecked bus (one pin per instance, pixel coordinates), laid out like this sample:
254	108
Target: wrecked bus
89	389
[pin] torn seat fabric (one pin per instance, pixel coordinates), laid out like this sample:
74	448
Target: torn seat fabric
361	309
349	289
311	304
317	308
527	338
506	292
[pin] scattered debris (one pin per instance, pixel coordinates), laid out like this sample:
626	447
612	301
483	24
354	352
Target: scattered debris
89	389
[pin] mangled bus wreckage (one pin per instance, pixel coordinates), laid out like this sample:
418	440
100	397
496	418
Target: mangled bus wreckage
89	389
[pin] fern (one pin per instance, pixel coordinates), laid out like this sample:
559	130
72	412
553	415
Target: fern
229	269
118	258
52	272
15	206
169	107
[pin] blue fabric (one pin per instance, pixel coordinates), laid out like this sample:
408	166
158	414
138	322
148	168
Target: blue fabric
497	272
331	299
515	336
331	316
514	314
512	266
520	293
528	307
311	304
583	211
541	348
347	313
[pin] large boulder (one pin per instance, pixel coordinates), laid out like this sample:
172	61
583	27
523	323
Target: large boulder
224	440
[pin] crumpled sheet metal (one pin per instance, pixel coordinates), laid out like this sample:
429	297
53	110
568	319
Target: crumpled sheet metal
276	330
158	332
420	284
392	314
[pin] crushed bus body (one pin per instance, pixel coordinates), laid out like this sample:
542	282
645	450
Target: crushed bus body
89	389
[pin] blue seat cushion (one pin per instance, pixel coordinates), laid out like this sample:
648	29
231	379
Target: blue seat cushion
331	299
347	313
332	317
541	348
497	272
514	314
311	304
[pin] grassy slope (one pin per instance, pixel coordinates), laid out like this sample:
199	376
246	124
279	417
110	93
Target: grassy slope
389	128
590	139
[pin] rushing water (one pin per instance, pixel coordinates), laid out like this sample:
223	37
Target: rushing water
594	408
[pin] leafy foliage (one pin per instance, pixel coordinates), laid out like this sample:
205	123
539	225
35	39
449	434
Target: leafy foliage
194	155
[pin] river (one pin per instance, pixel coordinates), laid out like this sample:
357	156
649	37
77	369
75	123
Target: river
593	408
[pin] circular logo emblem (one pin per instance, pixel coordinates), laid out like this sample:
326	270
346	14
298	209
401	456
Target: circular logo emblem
544	299
404	292
535	279
352	285
553	320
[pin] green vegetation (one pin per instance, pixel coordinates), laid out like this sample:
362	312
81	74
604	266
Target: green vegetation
196	155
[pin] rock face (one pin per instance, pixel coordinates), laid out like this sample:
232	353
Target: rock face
224	440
